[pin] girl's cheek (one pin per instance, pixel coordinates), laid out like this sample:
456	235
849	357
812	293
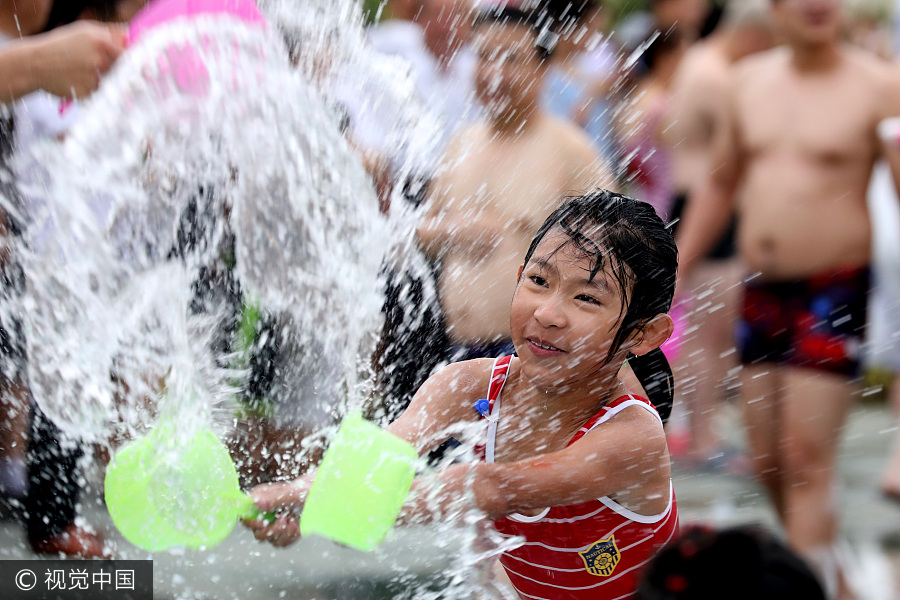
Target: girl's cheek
584	346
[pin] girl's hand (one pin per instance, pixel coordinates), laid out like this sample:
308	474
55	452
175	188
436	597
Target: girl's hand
283	532
287	499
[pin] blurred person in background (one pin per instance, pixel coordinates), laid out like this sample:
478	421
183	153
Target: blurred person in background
646	160
582	70
52	490
434	46
698	98
687	16
884	321
870	29
794	156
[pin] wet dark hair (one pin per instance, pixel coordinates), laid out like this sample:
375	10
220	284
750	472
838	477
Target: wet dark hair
64	12
547	18
566	12
660	44
740	563
537	21
640	250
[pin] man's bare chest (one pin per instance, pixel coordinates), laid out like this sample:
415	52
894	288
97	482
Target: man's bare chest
510	184
831	125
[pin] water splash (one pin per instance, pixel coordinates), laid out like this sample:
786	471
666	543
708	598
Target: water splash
206	176
206	173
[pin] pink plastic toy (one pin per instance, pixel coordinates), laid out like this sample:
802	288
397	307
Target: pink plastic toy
161	11
672	347
189	72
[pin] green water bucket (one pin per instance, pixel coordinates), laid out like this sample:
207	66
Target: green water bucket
361	485
163	492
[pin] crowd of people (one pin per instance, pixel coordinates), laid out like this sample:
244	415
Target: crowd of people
751	127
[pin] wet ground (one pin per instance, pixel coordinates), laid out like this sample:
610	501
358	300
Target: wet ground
417	558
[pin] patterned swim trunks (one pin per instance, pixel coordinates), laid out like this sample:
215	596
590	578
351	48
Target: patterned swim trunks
818	322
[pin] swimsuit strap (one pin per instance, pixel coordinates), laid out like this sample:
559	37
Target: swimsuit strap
611	410
499	372
489	407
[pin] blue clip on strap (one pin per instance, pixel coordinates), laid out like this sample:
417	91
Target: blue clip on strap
483	406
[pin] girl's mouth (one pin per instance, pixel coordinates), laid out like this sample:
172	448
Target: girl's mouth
542	348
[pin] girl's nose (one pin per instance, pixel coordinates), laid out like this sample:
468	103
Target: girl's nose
550	312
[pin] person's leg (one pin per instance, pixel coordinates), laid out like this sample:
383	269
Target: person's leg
708	353
762	411
890	476
13	438
762	337
53	493
14	404
815	409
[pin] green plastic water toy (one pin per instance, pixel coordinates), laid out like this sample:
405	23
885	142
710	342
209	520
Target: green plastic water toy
361	485
163	492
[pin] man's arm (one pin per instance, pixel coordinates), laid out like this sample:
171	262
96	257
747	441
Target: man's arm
889	125
696	105
709	211
66	62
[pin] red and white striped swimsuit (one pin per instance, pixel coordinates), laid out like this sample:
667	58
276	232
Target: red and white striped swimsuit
593	550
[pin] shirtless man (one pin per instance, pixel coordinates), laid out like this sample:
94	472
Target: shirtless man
698	95
500	179
794	155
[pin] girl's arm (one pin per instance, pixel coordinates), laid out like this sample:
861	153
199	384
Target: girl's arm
626	457
443	405
435	413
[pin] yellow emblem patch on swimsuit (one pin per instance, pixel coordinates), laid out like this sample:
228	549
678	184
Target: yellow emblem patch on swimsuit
602	557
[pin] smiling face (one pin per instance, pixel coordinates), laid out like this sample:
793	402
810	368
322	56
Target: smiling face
563	320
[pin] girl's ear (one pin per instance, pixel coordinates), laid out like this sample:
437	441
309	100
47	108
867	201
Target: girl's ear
653	334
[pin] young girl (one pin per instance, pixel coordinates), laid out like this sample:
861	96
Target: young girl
572	460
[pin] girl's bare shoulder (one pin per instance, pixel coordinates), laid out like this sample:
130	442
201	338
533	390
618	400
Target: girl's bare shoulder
463	379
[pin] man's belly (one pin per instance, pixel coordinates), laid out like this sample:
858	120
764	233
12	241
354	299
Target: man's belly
789	230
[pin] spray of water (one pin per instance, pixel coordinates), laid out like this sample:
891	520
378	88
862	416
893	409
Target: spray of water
207	174
207	180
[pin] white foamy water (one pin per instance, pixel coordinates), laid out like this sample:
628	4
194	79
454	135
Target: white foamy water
206	164
204	154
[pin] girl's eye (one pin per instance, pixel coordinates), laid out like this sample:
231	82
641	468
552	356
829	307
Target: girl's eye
588	299
538	280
